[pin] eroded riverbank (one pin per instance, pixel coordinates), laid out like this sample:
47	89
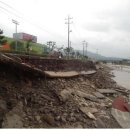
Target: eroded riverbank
36	101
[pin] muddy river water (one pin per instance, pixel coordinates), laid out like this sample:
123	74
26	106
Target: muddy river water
122	75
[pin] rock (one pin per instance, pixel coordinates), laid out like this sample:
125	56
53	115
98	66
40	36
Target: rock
91	98
102	113
49	119
29	117
81	79
57	118
12	121
92	86
86	96
38	118
63	119
99	95
106	91
97	67
99	123
109	105
81	94
88	113
84	83
3	109
88	72
29	83
3	105
102	104
108	94
71	119
88	109
105	117
65	94
84	104
18	109
46	97
79	126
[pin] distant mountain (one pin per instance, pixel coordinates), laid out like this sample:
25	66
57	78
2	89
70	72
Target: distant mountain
98	56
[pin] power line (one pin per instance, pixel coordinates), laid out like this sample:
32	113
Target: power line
20	16
77	31
1	10
74	35
25	19
8	5
9	11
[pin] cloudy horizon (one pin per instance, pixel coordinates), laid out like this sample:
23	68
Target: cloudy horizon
104	24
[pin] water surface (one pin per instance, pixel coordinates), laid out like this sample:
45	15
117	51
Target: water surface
122	76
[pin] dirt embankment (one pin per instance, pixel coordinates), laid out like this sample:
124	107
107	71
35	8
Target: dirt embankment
59	64
28	101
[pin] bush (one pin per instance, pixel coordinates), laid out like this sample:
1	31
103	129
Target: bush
20	46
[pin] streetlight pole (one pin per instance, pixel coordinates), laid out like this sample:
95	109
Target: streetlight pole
16	23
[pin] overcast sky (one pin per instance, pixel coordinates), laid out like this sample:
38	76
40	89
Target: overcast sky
104	24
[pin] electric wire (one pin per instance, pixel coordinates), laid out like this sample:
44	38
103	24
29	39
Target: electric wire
25	19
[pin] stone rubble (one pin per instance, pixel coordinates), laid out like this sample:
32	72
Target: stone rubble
37	102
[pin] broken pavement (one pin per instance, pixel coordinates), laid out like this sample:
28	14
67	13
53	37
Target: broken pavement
73	102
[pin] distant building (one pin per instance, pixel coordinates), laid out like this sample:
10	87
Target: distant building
25	36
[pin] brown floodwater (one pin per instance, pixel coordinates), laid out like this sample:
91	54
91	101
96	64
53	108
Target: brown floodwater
122	76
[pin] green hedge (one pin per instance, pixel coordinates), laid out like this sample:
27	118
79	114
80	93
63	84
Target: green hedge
37	48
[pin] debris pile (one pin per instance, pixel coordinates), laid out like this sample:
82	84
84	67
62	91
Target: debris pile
30	101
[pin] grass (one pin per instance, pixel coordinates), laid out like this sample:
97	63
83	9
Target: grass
37	48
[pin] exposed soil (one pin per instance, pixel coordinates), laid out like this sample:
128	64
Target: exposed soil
29	101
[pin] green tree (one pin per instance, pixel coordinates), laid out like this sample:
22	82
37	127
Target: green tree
77	54
66	51
12	45
51	45
2	40
59	49
28	46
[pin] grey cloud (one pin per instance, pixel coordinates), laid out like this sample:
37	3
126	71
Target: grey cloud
119	18
97	26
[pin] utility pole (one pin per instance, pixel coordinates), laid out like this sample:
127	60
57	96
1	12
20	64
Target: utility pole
68	22
85	43
83	47
86	48
16	23
97	53
70	44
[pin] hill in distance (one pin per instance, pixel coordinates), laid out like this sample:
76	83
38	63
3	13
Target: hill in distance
98	56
